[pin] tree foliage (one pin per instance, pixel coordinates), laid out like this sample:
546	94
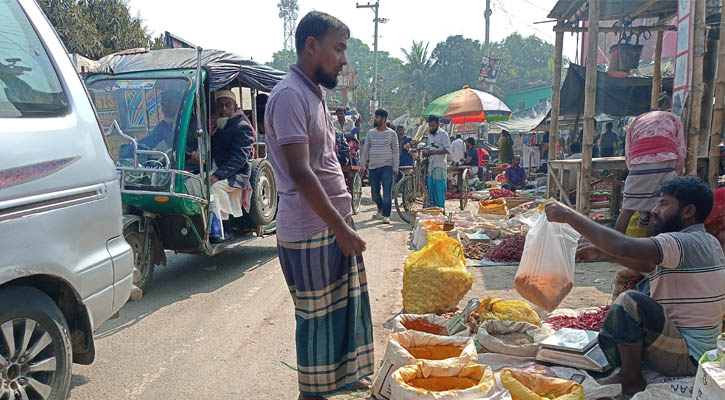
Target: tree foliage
408	85
95	28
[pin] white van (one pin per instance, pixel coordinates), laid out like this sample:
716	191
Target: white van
64	265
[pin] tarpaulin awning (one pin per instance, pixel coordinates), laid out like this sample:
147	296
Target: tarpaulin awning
620	97
222	67
528	119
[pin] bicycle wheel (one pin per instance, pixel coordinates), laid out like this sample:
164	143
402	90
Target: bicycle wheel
407	201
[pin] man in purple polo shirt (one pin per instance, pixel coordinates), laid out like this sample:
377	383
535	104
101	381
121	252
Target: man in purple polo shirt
318	248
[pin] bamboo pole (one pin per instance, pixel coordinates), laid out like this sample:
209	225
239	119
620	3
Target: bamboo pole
693	131
585	177
556	97
709	70
657	75
605	29
717	118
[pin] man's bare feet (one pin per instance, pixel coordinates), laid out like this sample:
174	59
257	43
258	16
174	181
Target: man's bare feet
364	383
630	385
308	397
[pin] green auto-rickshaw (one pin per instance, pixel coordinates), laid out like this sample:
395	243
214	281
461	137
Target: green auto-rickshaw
155	107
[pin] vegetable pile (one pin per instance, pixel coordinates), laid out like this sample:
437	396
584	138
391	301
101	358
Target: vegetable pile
591	321
509	250
500	193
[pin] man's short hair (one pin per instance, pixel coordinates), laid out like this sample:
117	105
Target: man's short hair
381	113
690	190
339	109
459	136
471	141
317	24
389	125
433	118
609	125
400	127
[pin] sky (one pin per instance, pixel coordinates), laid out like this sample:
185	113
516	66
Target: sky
252	28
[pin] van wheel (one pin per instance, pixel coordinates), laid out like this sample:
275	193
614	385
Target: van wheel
263	207
143	271
35	347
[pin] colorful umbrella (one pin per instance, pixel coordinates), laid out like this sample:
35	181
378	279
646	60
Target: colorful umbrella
468	105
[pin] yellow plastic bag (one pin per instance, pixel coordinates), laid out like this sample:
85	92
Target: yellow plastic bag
435	278
633	228
508	310
439	381
525	386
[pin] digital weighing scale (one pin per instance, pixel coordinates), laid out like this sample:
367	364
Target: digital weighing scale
576	348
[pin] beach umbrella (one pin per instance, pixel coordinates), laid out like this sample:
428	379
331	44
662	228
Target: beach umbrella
468	105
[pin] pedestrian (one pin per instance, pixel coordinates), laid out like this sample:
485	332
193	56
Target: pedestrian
608	142
438	148
343	124
319	250
669	329
381	157
458	150
406	160
505	148
655	152
471	159
515	175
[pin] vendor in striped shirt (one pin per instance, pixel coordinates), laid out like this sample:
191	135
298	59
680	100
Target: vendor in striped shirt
381	156
670	329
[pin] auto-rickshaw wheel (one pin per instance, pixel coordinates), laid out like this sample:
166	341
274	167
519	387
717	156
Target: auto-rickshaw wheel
356	193
263	207
144	271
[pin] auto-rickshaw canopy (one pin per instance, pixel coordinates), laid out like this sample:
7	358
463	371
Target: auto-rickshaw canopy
222	67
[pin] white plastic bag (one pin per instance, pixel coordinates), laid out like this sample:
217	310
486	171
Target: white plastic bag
546	271
397	355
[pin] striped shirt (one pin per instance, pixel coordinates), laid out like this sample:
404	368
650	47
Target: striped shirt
689	283
381	150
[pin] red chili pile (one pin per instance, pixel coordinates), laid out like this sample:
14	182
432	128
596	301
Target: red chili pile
509	250
591	321
500	193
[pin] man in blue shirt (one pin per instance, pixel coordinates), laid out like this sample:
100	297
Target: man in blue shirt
471	158
515	175
406	160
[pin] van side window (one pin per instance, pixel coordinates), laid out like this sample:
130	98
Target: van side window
29	85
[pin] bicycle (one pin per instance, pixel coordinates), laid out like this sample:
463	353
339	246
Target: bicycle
411	192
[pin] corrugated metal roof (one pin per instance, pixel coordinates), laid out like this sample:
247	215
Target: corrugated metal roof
613	9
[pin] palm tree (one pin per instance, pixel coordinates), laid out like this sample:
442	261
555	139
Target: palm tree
419	64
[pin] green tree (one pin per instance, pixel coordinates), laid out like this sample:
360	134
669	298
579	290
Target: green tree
525	61
282	60
418	66
95	28
158	42
457	63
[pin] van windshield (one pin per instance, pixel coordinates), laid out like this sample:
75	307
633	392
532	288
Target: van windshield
146	109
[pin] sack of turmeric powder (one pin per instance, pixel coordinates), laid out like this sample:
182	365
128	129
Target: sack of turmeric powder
429	323
435	277
526	386
409	347
443	381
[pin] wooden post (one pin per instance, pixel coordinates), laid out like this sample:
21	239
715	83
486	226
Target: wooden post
556	97
590	90
717	118
709	70
693	135
657	75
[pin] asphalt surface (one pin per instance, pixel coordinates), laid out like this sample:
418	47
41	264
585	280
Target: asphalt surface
223	327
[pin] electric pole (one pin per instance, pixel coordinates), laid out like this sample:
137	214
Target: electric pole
375	7
487	14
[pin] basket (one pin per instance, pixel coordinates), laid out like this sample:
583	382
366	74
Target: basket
496	207
625	56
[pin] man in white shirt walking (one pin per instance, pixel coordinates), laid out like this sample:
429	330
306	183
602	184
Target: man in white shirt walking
381	157
458	150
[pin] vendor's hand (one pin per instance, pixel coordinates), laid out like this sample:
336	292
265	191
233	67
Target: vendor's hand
587	251
349	241
557	212
214	179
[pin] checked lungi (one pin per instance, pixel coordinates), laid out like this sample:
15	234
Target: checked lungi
636	317
334	333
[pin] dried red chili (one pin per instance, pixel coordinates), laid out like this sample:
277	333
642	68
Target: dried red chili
509	250
500	193
591	321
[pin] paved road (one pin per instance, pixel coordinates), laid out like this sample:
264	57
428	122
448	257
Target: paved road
220	327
